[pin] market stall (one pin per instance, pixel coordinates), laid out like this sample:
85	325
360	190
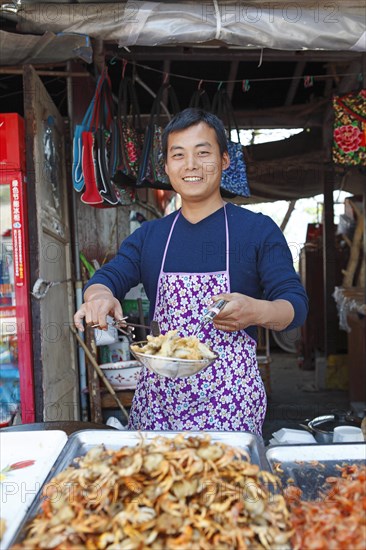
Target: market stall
198	491
236	55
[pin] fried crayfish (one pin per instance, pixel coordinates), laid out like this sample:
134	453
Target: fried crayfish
185	492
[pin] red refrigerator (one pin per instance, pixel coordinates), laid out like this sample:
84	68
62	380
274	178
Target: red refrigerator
16	357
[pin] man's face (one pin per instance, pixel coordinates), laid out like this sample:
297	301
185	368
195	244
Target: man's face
194	162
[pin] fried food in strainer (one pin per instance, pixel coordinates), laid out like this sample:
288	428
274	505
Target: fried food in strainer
181	493
173	346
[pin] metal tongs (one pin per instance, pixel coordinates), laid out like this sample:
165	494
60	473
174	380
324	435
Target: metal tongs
123	326
209	315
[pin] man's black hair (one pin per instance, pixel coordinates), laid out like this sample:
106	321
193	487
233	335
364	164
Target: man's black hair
190	117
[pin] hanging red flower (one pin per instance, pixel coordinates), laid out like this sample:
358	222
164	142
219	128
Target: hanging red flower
348	138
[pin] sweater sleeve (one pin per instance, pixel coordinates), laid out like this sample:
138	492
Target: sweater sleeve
278	277
124	270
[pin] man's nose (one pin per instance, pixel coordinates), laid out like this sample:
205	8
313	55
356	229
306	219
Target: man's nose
191	162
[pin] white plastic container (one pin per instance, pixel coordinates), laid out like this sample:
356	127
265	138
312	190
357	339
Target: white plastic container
105	337
120	350
344	434
290	436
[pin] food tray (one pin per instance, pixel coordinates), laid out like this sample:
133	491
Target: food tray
81	442
309	465
26	458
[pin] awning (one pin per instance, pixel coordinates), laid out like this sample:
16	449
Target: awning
18	49
251	24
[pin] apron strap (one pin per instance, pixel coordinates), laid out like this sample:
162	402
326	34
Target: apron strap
167	244
227	252
227	247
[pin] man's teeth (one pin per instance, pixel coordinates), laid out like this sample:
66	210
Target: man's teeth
192	178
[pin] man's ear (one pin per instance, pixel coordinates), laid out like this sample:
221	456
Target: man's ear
166	169
225	162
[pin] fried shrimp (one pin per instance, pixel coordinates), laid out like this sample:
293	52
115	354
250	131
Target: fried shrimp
337	520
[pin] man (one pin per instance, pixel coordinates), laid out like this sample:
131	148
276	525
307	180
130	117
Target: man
206	251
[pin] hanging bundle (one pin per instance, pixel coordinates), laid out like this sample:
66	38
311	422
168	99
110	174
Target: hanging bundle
77	172
234	178
200	99
99	190
130	134
152	167
107	189
349	135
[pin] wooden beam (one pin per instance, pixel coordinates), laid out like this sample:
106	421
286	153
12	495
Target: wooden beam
232	76
331	71
299	69
290	209
64	74
209	53
166	70
294	116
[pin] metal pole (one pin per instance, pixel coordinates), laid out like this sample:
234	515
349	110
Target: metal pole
329	263
78	282
100	372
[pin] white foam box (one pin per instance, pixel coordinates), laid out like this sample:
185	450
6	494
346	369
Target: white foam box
289	435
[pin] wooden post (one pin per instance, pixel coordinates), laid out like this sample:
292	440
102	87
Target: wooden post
329	263
364	203
93	380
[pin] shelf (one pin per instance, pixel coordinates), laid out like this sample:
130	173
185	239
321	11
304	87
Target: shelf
108	401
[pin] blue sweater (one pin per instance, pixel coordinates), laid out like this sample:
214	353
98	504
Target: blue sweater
260	261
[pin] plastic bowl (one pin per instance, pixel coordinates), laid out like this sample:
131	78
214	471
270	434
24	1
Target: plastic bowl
122	375
171	367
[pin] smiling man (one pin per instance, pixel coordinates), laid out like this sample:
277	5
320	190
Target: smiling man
194	163
205	251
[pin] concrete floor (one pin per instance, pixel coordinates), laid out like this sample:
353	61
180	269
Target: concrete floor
294	396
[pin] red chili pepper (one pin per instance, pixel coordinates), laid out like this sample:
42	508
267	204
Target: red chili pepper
22	464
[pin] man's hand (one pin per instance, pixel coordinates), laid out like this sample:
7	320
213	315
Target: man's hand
99	302
242	311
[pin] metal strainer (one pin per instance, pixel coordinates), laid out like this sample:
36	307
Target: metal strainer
171	367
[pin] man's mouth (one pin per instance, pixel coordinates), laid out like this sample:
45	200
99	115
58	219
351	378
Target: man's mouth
192	179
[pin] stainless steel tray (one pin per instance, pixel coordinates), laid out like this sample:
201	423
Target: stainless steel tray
309	465
81	442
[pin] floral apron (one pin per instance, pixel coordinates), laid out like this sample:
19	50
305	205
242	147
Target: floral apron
227	395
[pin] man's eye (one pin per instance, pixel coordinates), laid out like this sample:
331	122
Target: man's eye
177	155
203	153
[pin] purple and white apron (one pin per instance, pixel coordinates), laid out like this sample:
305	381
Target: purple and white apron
227	395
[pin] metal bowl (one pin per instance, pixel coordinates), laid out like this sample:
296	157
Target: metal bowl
171	367
322	427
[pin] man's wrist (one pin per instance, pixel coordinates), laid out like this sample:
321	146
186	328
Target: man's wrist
97	291
276	315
